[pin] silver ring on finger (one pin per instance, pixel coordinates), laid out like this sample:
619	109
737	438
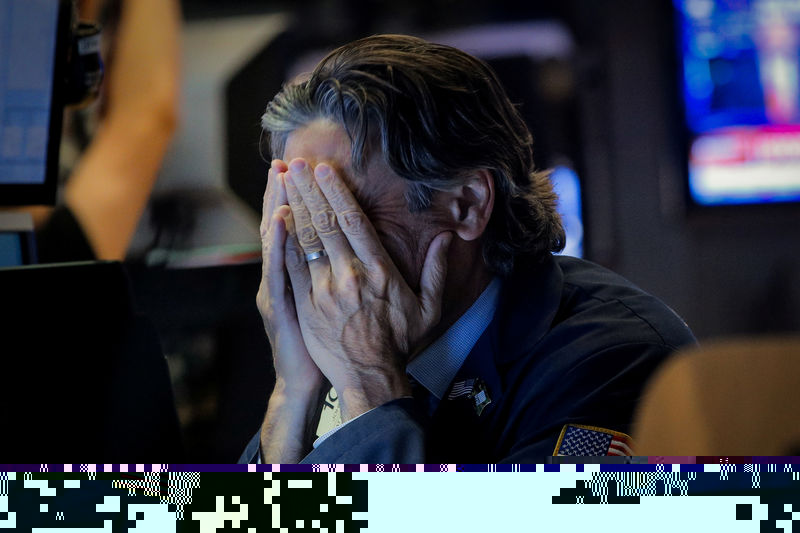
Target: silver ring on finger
313	256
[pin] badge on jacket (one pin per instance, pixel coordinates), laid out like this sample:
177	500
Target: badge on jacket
474	390
577	439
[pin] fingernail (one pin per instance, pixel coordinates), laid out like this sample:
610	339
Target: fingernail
322	171
278	165
298	165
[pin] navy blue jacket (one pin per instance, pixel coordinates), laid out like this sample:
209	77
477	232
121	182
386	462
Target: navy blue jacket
570	343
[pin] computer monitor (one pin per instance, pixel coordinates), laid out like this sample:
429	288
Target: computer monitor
740	81
85	377
34	38
17	244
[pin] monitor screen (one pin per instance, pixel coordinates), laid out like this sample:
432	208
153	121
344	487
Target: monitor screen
17	244
567	186
740	78
31	67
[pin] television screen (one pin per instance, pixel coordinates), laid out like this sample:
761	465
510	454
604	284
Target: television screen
740	80
30	108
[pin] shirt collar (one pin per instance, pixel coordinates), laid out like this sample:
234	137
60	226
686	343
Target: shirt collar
436	366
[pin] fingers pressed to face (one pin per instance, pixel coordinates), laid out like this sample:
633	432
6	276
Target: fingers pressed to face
273	270
322	216
274	194
356	227
273	235
306	234
295	260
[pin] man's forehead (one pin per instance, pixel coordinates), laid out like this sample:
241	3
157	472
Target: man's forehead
320	140
324	141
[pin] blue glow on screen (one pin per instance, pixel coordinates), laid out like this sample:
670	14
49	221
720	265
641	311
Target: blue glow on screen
568	188
10	249
741	91
27	55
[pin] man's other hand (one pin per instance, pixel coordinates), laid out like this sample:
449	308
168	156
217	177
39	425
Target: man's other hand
293	408
293	365
358	316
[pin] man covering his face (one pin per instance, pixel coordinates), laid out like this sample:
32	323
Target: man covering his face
408	262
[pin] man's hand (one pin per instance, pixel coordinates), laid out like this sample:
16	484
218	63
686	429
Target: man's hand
293	407
293	365
358	316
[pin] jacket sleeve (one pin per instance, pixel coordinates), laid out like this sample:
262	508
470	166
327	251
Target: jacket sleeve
393	433
390	434
251	451
602	391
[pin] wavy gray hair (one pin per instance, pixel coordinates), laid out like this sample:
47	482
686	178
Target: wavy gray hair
435	114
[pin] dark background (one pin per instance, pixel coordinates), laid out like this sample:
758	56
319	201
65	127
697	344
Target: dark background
612	108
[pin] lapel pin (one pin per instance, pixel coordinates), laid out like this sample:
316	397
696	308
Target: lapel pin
474	390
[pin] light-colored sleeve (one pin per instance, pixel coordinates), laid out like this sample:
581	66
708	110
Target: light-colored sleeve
327	434
391	433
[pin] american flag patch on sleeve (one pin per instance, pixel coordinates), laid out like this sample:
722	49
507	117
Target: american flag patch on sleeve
576	439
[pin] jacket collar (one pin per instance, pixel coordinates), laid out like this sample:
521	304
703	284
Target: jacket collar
528	304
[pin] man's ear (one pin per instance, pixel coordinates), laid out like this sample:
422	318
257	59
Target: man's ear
469	206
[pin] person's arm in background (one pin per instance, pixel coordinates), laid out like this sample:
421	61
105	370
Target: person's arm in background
89	9
109	188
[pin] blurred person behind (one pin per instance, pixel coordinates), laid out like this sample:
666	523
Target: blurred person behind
731	397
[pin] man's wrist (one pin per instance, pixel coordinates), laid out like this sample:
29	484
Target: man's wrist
368	391
289	426
298	393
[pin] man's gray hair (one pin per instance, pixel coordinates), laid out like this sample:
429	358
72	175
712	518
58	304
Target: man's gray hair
435	114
